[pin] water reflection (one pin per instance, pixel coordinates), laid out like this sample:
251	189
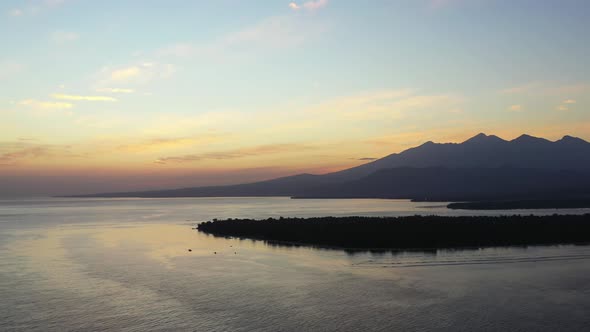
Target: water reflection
126	266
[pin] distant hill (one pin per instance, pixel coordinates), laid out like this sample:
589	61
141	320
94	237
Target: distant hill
285	186
483	167
484	151
461	184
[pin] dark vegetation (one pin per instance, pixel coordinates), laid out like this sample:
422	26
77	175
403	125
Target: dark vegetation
409	232
522	204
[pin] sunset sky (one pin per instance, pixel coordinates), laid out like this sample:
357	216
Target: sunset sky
127	95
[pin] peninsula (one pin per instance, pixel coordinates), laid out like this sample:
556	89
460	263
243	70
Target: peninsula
409	232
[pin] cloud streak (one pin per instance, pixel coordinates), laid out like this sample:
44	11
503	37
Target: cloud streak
315	5
115	90
14	152
562	108
62	37
35	7
565	105
27	152
515	108
45	105
161	143
82	98
124	74
309	5
386	104
273	33
15	12
138	73
235	154
548	88
9	69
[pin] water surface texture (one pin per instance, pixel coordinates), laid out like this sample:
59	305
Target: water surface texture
124	264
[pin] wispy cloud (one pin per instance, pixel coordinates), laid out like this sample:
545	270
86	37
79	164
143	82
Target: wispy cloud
570	89
548	88
309	5
124	74
45	105
115	90
13	152
165	143
277	32
410	137
315	5
62	37
367	159
85	98
9	69
515	108
386	104
34	7
525	88
273	33
15	12
565	105
138	73
562	108
22	153
235	154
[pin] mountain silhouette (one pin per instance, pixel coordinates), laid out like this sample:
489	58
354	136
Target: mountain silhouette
461	184
482	167
568	153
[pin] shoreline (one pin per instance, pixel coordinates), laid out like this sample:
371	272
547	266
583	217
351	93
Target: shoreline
521	205
468	205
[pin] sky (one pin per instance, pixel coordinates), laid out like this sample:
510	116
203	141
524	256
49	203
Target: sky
131	95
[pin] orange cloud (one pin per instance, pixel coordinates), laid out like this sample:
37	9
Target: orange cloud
386	104
515	108
155	144
24	149
236	153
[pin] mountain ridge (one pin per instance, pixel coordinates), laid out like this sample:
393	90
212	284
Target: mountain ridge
482	151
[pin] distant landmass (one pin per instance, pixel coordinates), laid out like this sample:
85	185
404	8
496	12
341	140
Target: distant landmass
561	203
484	167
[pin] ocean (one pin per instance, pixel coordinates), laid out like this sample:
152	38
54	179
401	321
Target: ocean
125	265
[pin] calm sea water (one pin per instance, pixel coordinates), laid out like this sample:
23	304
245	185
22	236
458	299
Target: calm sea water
124	265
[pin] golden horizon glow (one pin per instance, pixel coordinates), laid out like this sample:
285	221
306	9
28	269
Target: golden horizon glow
300	86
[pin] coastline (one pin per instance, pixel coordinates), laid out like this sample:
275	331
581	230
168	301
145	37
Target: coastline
521	204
